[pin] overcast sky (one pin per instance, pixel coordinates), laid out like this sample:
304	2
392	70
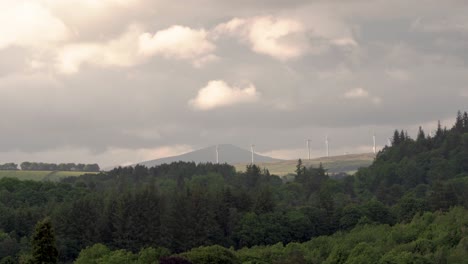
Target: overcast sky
121	81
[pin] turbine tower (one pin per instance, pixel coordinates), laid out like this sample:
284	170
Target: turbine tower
374	148
308	147
253	152
217	154
389	142
327	145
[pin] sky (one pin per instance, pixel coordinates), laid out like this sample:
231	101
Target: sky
122	81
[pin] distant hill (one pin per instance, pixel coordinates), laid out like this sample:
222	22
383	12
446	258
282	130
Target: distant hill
344	163
227	154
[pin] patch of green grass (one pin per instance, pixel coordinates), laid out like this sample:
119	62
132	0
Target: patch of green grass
40	175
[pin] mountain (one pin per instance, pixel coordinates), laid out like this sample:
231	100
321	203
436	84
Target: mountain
227	154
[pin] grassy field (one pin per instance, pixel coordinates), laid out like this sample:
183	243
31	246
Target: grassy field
344	163
39	175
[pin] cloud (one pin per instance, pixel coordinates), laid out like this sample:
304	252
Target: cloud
218	94
29	24
177	42
287	38
280	38
453	23
357	93
136	46
122	51
360	93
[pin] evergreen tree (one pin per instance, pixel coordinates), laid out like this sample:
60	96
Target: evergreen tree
439	129
44	250
421	135
459	122
396	138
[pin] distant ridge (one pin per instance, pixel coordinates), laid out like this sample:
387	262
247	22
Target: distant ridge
227	154
349	163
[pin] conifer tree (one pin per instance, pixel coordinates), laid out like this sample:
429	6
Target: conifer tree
421	135
396	138
44	250
459	122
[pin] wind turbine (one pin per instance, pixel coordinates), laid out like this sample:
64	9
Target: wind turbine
308	147
217	154
327	145
253	152
389	142
374	148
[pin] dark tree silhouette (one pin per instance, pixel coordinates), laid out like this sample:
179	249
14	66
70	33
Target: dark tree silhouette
44	250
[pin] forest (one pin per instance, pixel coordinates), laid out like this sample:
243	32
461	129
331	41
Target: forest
409	206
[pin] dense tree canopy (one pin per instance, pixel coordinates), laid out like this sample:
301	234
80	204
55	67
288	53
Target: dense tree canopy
134	213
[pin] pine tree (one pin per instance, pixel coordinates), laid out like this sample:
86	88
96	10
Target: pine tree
459	122
396	138
421	135
300	171
439	130
44	250
402	136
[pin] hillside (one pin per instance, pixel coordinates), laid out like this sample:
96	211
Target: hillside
343	163
178	207
227	154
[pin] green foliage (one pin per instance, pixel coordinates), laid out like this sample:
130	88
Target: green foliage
211	255
101	254
92	254
151	255
429	238
384	212
174	260
7	260
43	245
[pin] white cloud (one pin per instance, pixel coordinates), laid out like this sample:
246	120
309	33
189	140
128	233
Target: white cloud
29	24
218	94
177	42
344	42
122	51
91	4
287	38
357	93
360	93
280	38
136	46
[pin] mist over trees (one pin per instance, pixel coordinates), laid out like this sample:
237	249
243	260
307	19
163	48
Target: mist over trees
409	206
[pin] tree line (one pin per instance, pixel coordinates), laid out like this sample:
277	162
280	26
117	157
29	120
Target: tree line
9	166
137	211
41	166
